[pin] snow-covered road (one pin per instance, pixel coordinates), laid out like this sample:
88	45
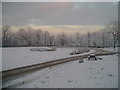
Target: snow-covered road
90	74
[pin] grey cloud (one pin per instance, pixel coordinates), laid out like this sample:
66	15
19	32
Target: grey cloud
90	13
0	13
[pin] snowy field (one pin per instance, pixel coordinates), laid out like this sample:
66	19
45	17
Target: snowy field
111	49
0	59
90	74
22	56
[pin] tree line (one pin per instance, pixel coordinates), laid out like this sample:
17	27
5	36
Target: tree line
36	37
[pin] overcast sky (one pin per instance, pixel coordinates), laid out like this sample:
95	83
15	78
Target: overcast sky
60	1
0	14
56	17
59	13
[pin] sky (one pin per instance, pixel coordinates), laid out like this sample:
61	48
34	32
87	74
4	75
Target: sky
60	1
60	16
0	13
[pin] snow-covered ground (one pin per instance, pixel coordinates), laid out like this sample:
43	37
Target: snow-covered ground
90	74
111	49
0	59
0	67
22	56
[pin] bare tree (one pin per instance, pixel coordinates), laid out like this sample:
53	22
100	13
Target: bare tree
14	39
119	32
46	37
113	29
5	35
106	38
29	36
103	39
95	39
88	38
39	36
25	35
71	40
78	39
51	40
62	38
0	37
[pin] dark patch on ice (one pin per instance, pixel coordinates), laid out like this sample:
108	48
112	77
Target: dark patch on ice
101	77
47	77
50	67
96	83
95	78
90	67
70	81
90	76
101	68
43	82
98	72
91	72
110	75
47	81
